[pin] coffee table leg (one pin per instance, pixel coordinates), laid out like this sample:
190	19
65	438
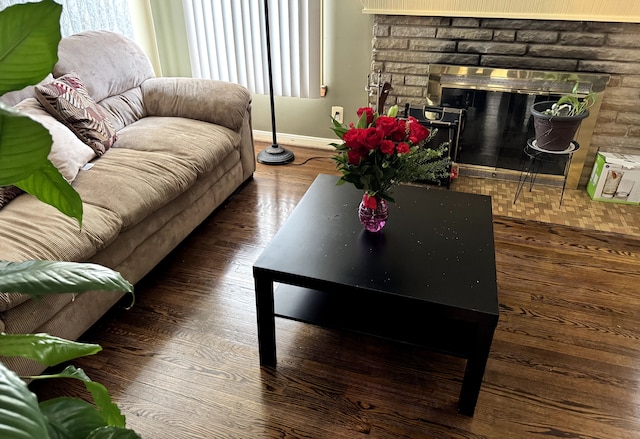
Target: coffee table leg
474	371
266	319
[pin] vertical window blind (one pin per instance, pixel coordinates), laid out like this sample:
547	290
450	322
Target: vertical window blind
227	42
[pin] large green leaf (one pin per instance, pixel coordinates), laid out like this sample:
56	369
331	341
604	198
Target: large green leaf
44	348
49	186
20	416
71	418
109	412
37	278
24	147
29	37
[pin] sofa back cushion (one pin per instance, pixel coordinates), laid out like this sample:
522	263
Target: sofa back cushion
108	63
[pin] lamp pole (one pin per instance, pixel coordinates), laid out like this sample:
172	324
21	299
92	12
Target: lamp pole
274	154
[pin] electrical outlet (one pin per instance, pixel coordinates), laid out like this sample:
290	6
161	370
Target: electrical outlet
338	114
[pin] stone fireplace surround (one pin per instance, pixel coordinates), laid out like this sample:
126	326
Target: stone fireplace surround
404	46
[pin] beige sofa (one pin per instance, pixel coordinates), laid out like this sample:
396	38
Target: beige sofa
183	147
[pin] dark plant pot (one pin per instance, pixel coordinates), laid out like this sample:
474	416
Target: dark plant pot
554	133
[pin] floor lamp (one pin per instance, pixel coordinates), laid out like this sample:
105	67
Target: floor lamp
274	154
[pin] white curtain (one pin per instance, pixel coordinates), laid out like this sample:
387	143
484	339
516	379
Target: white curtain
81	15
227	42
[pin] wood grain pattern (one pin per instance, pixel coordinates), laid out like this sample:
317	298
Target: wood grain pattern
183	362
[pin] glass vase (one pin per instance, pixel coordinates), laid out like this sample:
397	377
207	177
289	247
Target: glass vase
373	219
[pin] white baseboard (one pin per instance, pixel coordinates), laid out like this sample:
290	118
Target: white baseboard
295	140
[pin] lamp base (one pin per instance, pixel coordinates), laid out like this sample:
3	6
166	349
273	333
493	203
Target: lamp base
275	155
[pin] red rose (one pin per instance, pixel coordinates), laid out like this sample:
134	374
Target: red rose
387	147
355	155
369	202
417	132
401	131
370	137
391	127
386	124
352	138
368	111
402	148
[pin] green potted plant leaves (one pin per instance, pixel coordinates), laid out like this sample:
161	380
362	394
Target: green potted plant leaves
556	122
29	37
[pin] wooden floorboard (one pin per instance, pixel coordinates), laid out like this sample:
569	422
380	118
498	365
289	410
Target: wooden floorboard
183	362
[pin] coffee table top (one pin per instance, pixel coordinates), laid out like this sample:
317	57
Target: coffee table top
437	246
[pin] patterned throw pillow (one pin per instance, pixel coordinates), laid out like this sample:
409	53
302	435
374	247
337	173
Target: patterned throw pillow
8	193
66	98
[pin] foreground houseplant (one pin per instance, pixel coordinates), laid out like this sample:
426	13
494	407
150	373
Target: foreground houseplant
379	152
30	34
556	123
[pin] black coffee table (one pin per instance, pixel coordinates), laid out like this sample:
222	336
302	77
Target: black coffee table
428	279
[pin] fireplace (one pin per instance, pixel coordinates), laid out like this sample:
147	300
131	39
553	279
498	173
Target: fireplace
498	120
490	60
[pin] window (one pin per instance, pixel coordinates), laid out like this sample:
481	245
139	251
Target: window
227	42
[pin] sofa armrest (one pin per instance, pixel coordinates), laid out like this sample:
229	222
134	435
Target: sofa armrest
222	103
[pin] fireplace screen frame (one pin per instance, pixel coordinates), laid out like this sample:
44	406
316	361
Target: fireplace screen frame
538	82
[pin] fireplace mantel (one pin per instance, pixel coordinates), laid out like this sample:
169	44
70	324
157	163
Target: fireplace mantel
580	10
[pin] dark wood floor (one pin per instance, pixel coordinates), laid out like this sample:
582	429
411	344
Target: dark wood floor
183	362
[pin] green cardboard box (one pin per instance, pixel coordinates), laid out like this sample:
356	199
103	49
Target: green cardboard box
615	178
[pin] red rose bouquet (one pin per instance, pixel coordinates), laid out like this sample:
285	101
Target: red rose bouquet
378	152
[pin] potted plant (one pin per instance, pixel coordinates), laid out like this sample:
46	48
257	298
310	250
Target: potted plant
556	123
30	37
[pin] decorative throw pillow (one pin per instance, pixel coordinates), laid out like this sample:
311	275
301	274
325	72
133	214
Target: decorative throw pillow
67	99
68	152
8	193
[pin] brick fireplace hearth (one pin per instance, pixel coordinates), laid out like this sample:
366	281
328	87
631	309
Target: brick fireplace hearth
404	46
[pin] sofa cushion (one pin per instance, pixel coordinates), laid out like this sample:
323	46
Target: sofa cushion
198	145
108	62
68	153
45	233
125	108
134	184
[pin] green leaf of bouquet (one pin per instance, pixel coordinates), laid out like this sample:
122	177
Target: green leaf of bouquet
339	131
29	37
362	122
113	433
44	348
20	415
71	418
38	278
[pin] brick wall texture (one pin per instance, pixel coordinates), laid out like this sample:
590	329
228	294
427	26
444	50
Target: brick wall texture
403	45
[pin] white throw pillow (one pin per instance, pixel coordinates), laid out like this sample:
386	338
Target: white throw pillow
68	153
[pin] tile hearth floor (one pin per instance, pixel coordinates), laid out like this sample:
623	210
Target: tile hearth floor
542	204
